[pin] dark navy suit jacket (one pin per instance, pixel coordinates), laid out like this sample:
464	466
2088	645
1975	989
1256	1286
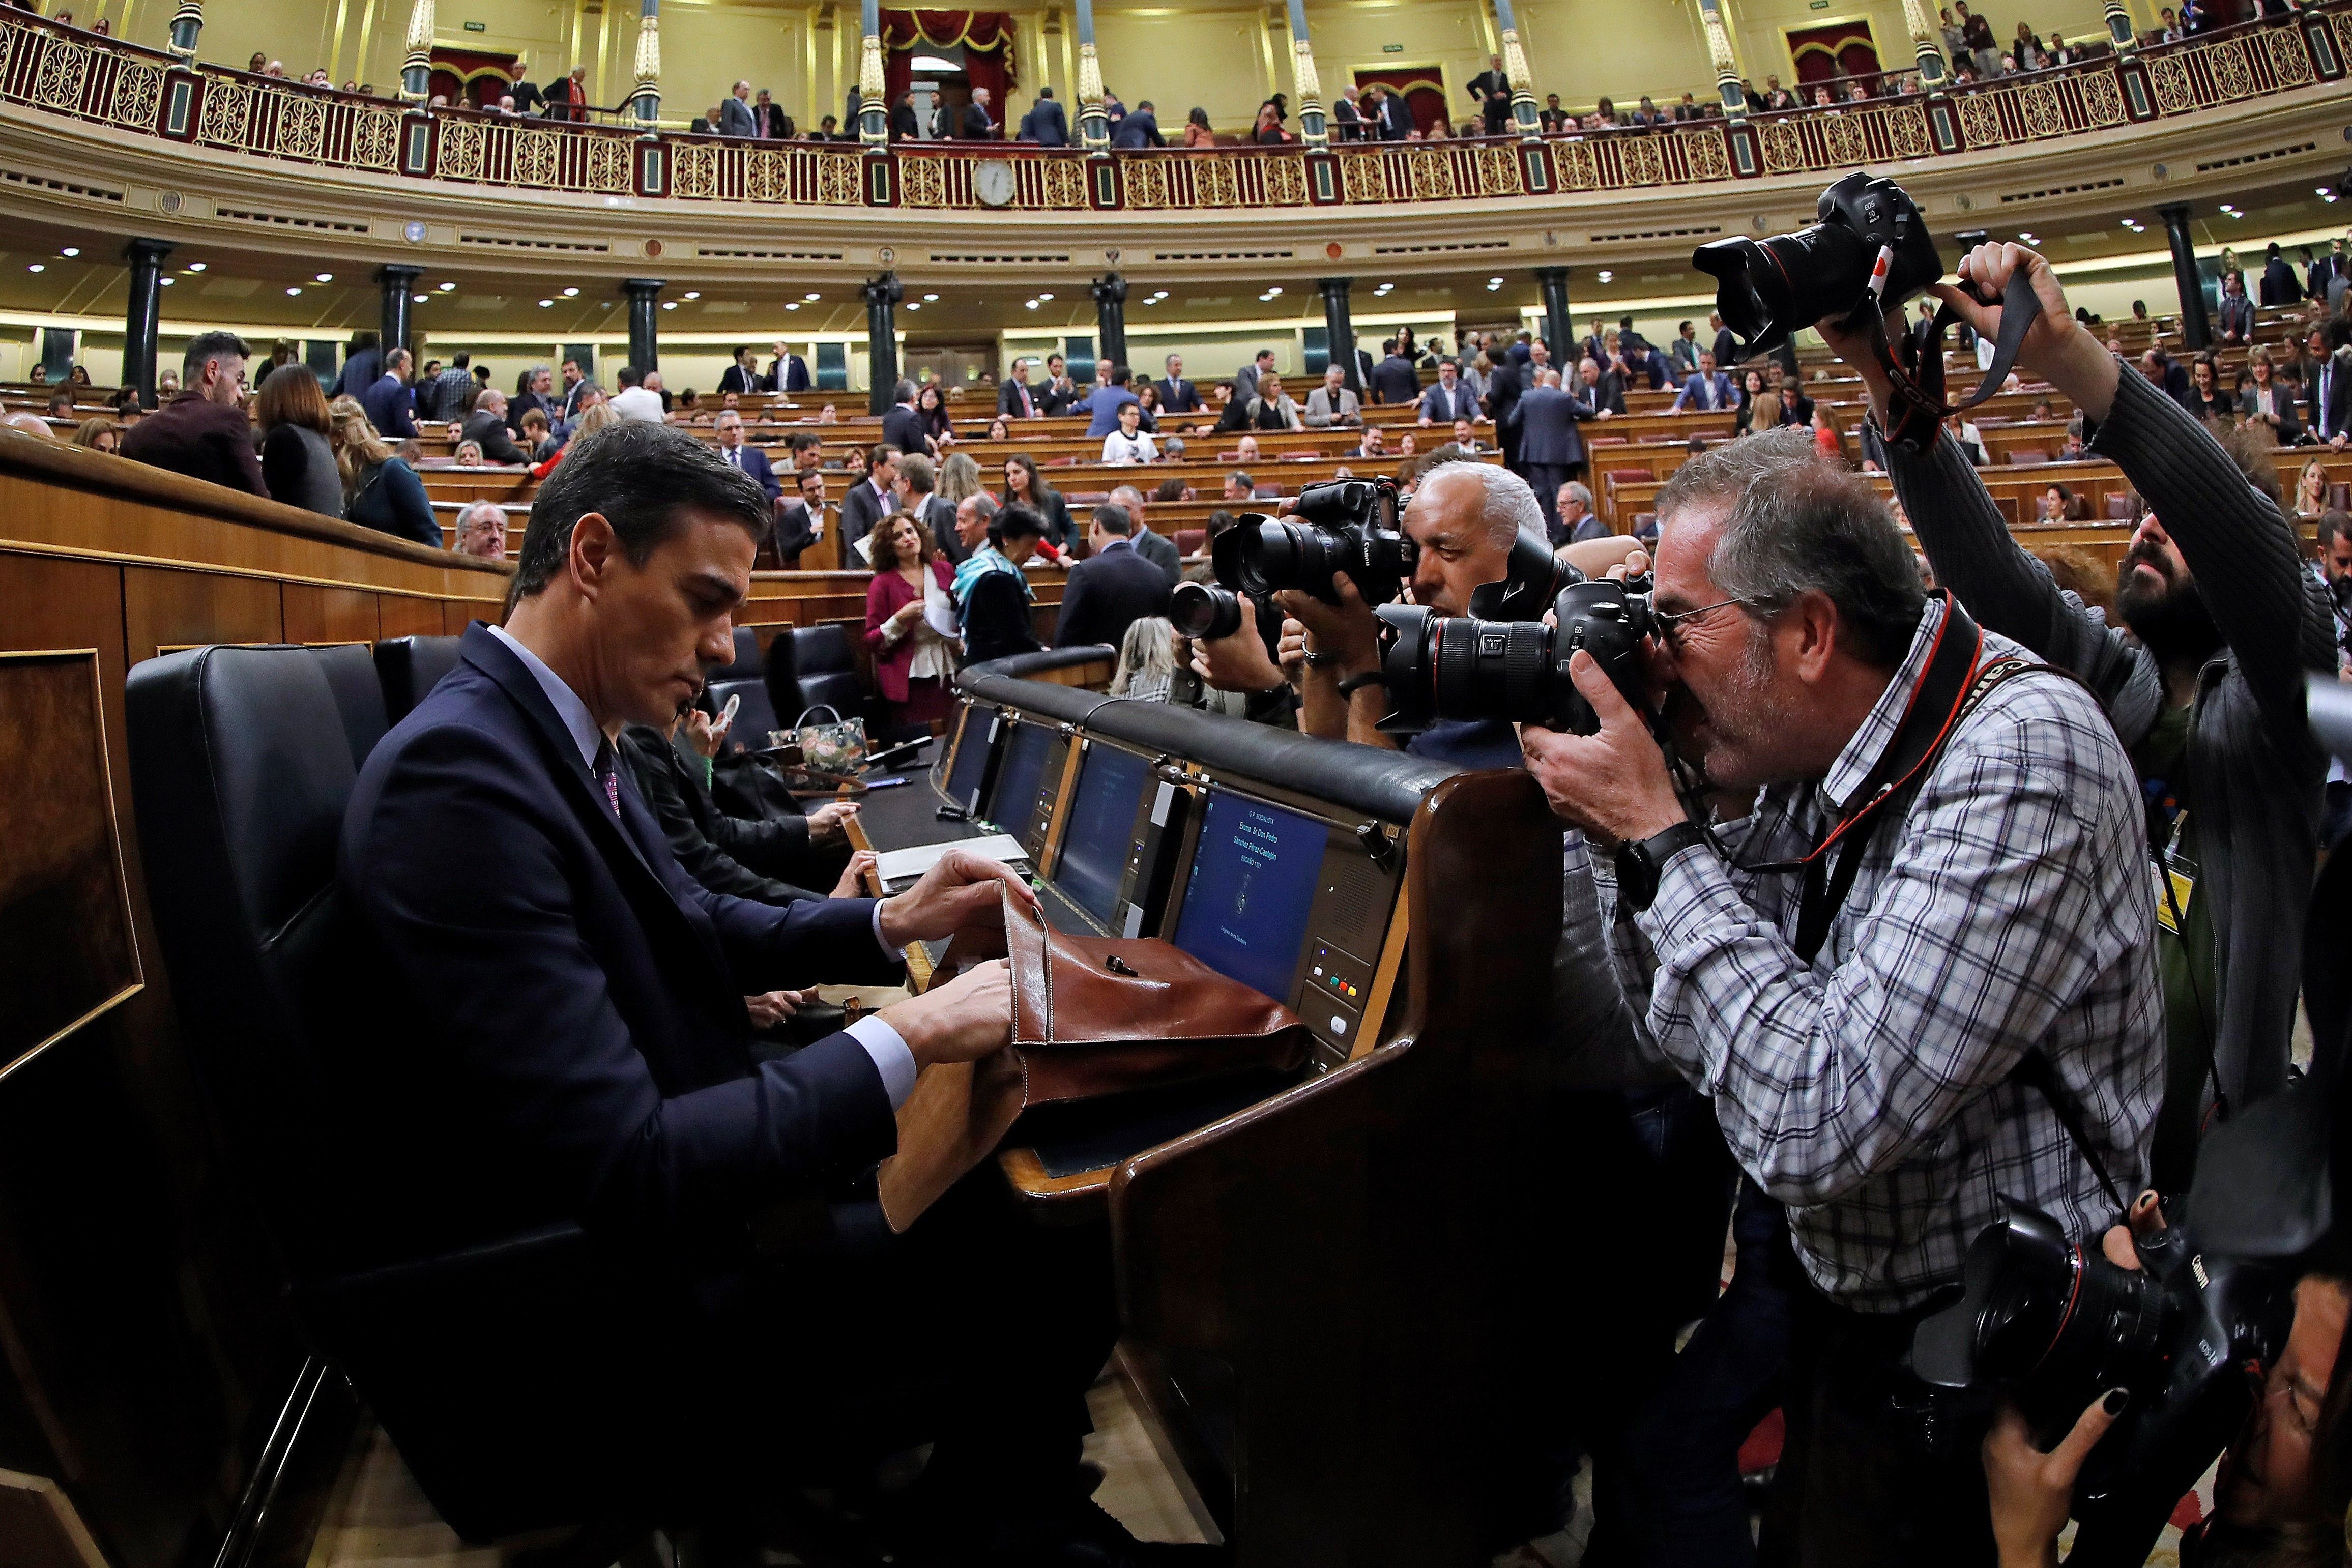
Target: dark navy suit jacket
754	462
557	1009
1548	418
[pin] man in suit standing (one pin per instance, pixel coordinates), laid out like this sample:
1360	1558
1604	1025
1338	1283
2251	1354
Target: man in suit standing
1108	397
1492	89
2237	311
1554	120
787	371
523	908
1504	389
1154	547
1246	378
1708	388
974	124
1726	342
1394	380
1046	125
868	502
203	432
1113	588
1448	400
901	427
387	403
735	116
1140	128
1923	328
1331	402
2328	410
1014	399
538	392
913	492
750	459
743	375
1395	119
801	523
1605	391
486	428
768	119
1178	396
1682	356
1551	450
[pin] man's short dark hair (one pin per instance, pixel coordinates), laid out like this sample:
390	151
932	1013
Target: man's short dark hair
742	349
879	453
1388	345
631	376
461	359
2333	525
1045	92
1265	354
1114	519
210	345
640	477
1012	522
1241	476
1118	377
804	439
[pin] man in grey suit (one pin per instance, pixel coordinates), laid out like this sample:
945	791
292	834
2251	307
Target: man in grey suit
1046	125
1448	400
1331	402
1246	378
1551	450
735	116
2236	322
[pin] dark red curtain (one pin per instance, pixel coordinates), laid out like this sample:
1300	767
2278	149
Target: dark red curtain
987	40
1843	49
1424	94
471	77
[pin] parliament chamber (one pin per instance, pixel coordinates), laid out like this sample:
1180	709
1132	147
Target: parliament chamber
917	265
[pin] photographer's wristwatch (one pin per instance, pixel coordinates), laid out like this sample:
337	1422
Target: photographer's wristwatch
1638	865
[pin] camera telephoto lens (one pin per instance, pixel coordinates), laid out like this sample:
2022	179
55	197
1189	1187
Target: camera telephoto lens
1460	667
1768	289
1206	611
1272	556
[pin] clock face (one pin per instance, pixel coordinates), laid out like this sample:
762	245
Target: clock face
992	182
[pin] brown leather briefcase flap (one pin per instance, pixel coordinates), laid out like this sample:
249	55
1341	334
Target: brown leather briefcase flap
1092	1016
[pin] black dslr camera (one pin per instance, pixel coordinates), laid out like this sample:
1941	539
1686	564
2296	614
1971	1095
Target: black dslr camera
1768	289
1346	526
1505	663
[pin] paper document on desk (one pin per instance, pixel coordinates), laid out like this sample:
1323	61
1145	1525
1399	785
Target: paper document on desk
913	862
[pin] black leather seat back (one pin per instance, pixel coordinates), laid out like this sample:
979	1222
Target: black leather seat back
782	672
746	663
409	668
755	718
359	696
827	672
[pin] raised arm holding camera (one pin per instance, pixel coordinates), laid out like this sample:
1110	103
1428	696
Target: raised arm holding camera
2206	692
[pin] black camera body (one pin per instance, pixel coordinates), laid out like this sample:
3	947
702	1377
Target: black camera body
1344	526
1465	667
2051	1325
1768	289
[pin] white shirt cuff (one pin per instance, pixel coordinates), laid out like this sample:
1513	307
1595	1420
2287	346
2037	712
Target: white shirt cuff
895	954
892	1059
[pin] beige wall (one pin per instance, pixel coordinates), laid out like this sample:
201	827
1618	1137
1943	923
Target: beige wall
1760	28
1214	61
1658	50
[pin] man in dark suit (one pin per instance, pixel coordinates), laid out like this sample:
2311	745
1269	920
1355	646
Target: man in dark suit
974	124
1016	399
1140	128
1491	91
1394	380
2236	322
1059	391
1178	396
1153	546
802	521
768	119
486	426
1606	390
538	392
868	502
1726	342
363	366
1396	120
204	433
388	404
1112	588
1554	120
1709	389
1505	386
522	911
1551	450
787	371
1448	400
2328	410
915	493
743	375
2280	286
1245	379
735	116
750	459
678	795
901	427
1046	125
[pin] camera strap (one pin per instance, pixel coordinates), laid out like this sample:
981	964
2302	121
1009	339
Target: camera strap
1916	372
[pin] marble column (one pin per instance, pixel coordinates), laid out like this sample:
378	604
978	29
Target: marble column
1094	126
398	283
881	296
416	69
1314	126
2196	330
644	337
1719	50
872	113
145	312
1524	113
1339	330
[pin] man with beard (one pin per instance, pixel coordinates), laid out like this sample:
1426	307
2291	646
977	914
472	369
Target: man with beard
2205	691
1928	935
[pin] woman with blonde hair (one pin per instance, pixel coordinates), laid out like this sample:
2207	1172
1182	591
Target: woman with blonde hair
297	463
2310	490
1147	660
100	434
959	477
380	490
593	418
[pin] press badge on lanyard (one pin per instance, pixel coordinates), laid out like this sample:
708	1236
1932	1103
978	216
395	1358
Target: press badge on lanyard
2175	878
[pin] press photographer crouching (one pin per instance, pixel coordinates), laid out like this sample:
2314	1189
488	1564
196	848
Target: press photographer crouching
1931	933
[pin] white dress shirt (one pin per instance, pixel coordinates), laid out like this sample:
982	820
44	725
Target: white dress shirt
637	403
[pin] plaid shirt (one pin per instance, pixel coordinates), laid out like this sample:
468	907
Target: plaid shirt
1870	1091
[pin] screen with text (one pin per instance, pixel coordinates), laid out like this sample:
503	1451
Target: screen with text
1254	875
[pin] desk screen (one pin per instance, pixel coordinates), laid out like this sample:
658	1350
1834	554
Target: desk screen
1019	777
1254	877
972	758
1095	844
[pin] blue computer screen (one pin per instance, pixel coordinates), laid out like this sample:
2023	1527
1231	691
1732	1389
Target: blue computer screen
971	759
1018	776
1102	827
1254	875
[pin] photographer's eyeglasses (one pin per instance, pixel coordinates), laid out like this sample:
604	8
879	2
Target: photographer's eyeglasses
1670	623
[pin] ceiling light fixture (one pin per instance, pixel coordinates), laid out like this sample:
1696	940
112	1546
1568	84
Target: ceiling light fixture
543	304
420	299
1031	304
70	251
568	293
669	304
931	299
914	304
791	305
36	267
447	287
694	293
195	267
811	297
167	282
326	278
292	291
1605	275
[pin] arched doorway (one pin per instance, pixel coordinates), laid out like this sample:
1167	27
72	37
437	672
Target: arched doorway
1835	49
1422	87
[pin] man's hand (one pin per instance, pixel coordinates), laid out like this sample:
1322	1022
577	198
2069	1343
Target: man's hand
2031	1491
962	889
962	1020
1237	663
771	1008
852	883
1612	784
705	734
1349	631
830	822
2056	347
1291	652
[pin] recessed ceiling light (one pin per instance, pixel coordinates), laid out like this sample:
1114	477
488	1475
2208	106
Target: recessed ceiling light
929	299
811	297
70	251
167	282
293	291
1031	303
914	304
1495	287
1045	296
791	305
1605	275
568	293
36	267
420	299
326	278
1271	292
195	267
669	304
543	304
447	287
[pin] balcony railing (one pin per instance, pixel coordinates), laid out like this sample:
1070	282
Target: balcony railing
64	71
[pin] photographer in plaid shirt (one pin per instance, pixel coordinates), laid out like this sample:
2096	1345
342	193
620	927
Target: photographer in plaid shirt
2000	911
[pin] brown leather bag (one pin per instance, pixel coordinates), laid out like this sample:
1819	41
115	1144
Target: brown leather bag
1092	1016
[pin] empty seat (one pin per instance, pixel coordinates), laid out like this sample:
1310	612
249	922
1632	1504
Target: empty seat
359	696
1232	457
1192	540
828	671
2024	457
2119	508
2339	496
408	668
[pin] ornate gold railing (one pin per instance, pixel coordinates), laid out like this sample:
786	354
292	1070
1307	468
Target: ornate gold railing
61	70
